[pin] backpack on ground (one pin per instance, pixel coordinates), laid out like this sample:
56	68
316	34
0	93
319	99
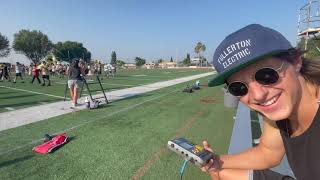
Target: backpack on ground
51	143
188	89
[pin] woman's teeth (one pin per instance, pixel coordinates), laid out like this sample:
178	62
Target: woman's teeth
271	101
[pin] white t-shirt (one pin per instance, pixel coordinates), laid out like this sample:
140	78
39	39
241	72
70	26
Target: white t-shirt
18	69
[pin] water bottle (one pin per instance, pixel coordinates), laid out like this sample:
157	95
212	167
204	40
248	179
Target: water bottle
87	101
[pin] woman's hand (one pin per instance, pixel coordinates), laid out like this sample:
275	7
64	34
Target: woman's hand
214	165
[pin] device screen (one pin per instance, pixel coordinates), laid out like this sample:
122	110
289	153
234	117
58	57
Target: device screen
186	146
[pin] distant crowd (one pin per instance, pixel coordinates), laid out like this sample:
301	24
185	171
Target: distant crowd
46	70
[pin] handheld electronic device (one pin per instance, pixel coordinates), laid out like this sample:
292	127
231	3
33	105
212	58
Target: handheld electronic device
196	154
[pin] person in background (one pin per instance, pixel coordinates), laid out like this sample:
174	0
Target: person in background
1	71
18	69
35	73
6	72
45	73
30	69
75	73
267	74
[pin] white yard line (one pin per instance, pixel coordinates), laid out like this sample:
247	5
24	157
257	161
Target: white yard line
139	75
119	84
59	82
34	92
105	83
9	108
133	78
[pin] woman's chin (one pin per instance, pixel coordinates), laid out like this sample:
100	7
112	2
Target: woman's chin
276	116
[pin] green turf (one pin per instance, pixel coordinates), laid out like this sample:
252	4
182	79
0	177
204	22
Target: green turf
16	99
114	142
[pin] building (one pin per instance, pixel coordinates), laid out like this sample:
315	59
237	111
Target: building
195	61
167	65
129	66
149	65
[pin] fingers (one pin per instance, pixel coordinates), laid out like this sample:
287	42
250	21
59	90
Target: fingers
207	146
209	167
204	169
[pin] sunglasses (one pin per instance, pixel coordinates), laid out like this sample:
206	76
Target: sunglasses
265	76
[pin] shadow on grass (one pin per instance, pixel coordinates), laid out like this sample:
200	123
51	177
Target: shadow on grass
14	161
8	92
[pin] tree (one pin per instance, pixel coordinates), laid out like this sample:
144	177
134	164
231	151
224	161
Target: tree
120	63
160	61
113	58
199	49
139	61
171	60
4	46
313	47
66	51
187	60
33	44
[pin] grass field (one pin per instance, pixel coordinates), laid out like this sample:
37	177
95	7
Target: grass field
20	95
123	140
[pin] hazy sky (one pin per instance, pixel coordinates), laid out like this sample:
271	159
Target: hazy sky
151	29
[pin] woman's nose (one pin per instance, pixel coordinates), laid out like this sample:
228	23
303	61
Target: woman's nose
257	92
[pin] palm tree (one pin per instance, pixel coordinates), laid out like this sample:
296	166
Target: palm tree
199	49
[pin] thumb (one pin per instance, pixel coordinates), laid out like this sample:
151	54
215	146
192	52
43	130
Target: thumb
206	146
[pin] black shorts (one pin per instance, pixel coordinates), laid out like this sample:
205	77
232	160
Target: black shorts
45	76
269	175
18	74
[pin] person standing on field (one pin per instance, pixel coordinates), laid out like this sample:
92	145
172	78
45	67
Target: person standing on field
45	73
75	74
18	69
35	74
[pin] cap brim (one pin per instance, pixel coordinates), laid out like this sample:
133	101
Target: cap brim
221	78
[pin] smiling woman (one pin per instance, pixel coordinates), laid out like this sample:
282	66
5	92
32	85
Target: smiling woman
276	81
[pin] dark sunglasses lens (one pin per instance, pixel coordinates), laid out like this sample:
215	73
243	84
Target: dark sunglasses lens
237	89
267	76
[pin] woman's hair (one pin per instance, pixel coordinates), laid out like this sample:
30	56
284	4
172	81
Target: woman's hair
310	69
75	63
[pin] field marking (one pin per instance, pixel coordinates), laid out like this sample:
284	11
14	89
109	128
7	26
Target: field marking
59	82
156	156
9	108
120	84
134	79
87	122
138	75
34	92
105	83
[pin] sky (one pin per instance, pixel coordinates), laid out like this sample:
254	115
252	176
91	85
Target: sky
151	29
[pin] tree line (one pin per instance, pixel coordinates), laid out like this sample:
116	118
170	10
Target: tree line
36	46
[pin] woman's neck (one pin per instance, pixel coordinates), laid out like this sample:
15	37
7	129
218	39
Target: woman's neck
305	110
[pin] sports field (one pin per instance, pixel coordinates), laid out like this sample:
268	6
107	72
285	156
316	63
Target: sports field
20	95
122	140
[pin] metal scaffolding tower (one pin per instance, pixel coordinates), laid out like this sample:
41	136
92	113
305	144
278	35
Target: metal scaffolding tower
309	22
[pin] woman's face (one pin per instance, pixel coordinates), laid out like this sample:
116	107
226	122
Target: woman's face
276	101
